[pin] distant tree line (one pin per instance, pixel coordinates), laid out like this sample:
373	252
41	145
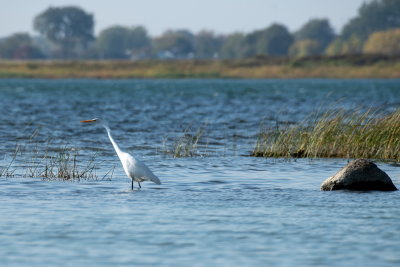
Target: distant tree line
68	33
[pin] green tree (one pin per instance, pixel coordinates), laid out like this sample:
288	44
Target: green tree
207	45
112	42
318	30
70	28
232	46
335	47
353	45
121	42
373	16
138	39
272	41
43	45
385	42
179	43
303	48
19	46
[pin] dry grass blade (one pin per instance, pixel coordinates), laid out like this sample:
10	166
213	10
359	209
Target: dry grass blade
7	171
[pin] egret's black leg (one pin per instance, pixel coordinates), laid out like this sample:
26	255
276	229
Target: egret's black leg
132	184
139	185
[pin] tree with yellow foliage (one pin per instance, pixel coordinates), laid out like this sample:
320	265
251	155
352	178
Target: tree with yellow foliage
383	42
304	48
351	46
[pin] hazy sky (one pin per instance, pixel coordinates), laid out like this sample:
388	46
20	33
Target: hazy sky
222	16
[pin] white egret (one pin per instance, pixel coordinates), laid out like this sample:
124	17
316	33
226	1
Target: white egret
134	169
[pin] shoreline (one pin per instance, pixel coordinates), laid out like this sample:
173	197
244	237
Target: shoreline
345	67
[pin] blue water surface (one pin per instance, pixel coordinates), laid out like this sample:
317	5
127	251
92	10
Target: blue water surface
216	208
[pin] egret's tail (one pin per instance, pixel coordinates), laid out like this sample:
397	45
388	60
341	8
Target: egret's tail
155	180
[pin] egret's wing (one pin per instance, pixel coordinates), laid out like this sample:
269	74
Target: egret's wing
144	172
139	170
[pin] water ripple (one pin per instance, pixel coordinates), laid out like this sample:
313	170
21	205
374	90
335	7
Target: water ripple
219	209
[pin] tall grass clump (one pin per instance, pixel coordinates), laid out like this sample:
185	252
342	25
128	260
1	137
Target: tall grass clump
60	164
188	144
337	133
8	170
36	157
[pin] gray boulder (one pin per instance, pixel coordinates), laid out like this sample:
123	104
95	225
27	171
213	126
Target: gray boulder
360	174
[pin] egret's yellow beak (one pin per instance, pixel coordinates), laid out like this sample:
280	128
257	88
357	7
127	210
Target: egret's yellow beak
92	120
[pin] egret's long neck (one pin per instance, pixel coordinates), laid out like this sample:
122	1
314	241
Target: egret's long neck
115	145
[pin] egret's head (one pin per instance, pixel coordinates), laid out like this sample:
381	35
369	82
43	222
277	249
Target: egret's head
95	120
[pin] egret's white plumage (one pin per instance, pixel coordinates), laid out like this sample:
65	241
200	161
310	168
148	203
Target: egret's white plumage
135	169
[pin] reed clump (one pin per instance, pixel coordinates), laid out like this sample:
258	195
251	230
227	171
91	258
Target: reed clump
62	164
8	170
43	159
188	144
335	134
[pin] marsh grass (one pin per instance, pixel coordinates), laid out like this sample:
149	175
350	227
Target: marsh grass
335	133
43	159
61	164
9	170
189	144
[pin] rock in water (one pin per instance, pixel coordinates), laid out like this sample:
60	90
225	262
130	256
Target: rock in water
360	174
